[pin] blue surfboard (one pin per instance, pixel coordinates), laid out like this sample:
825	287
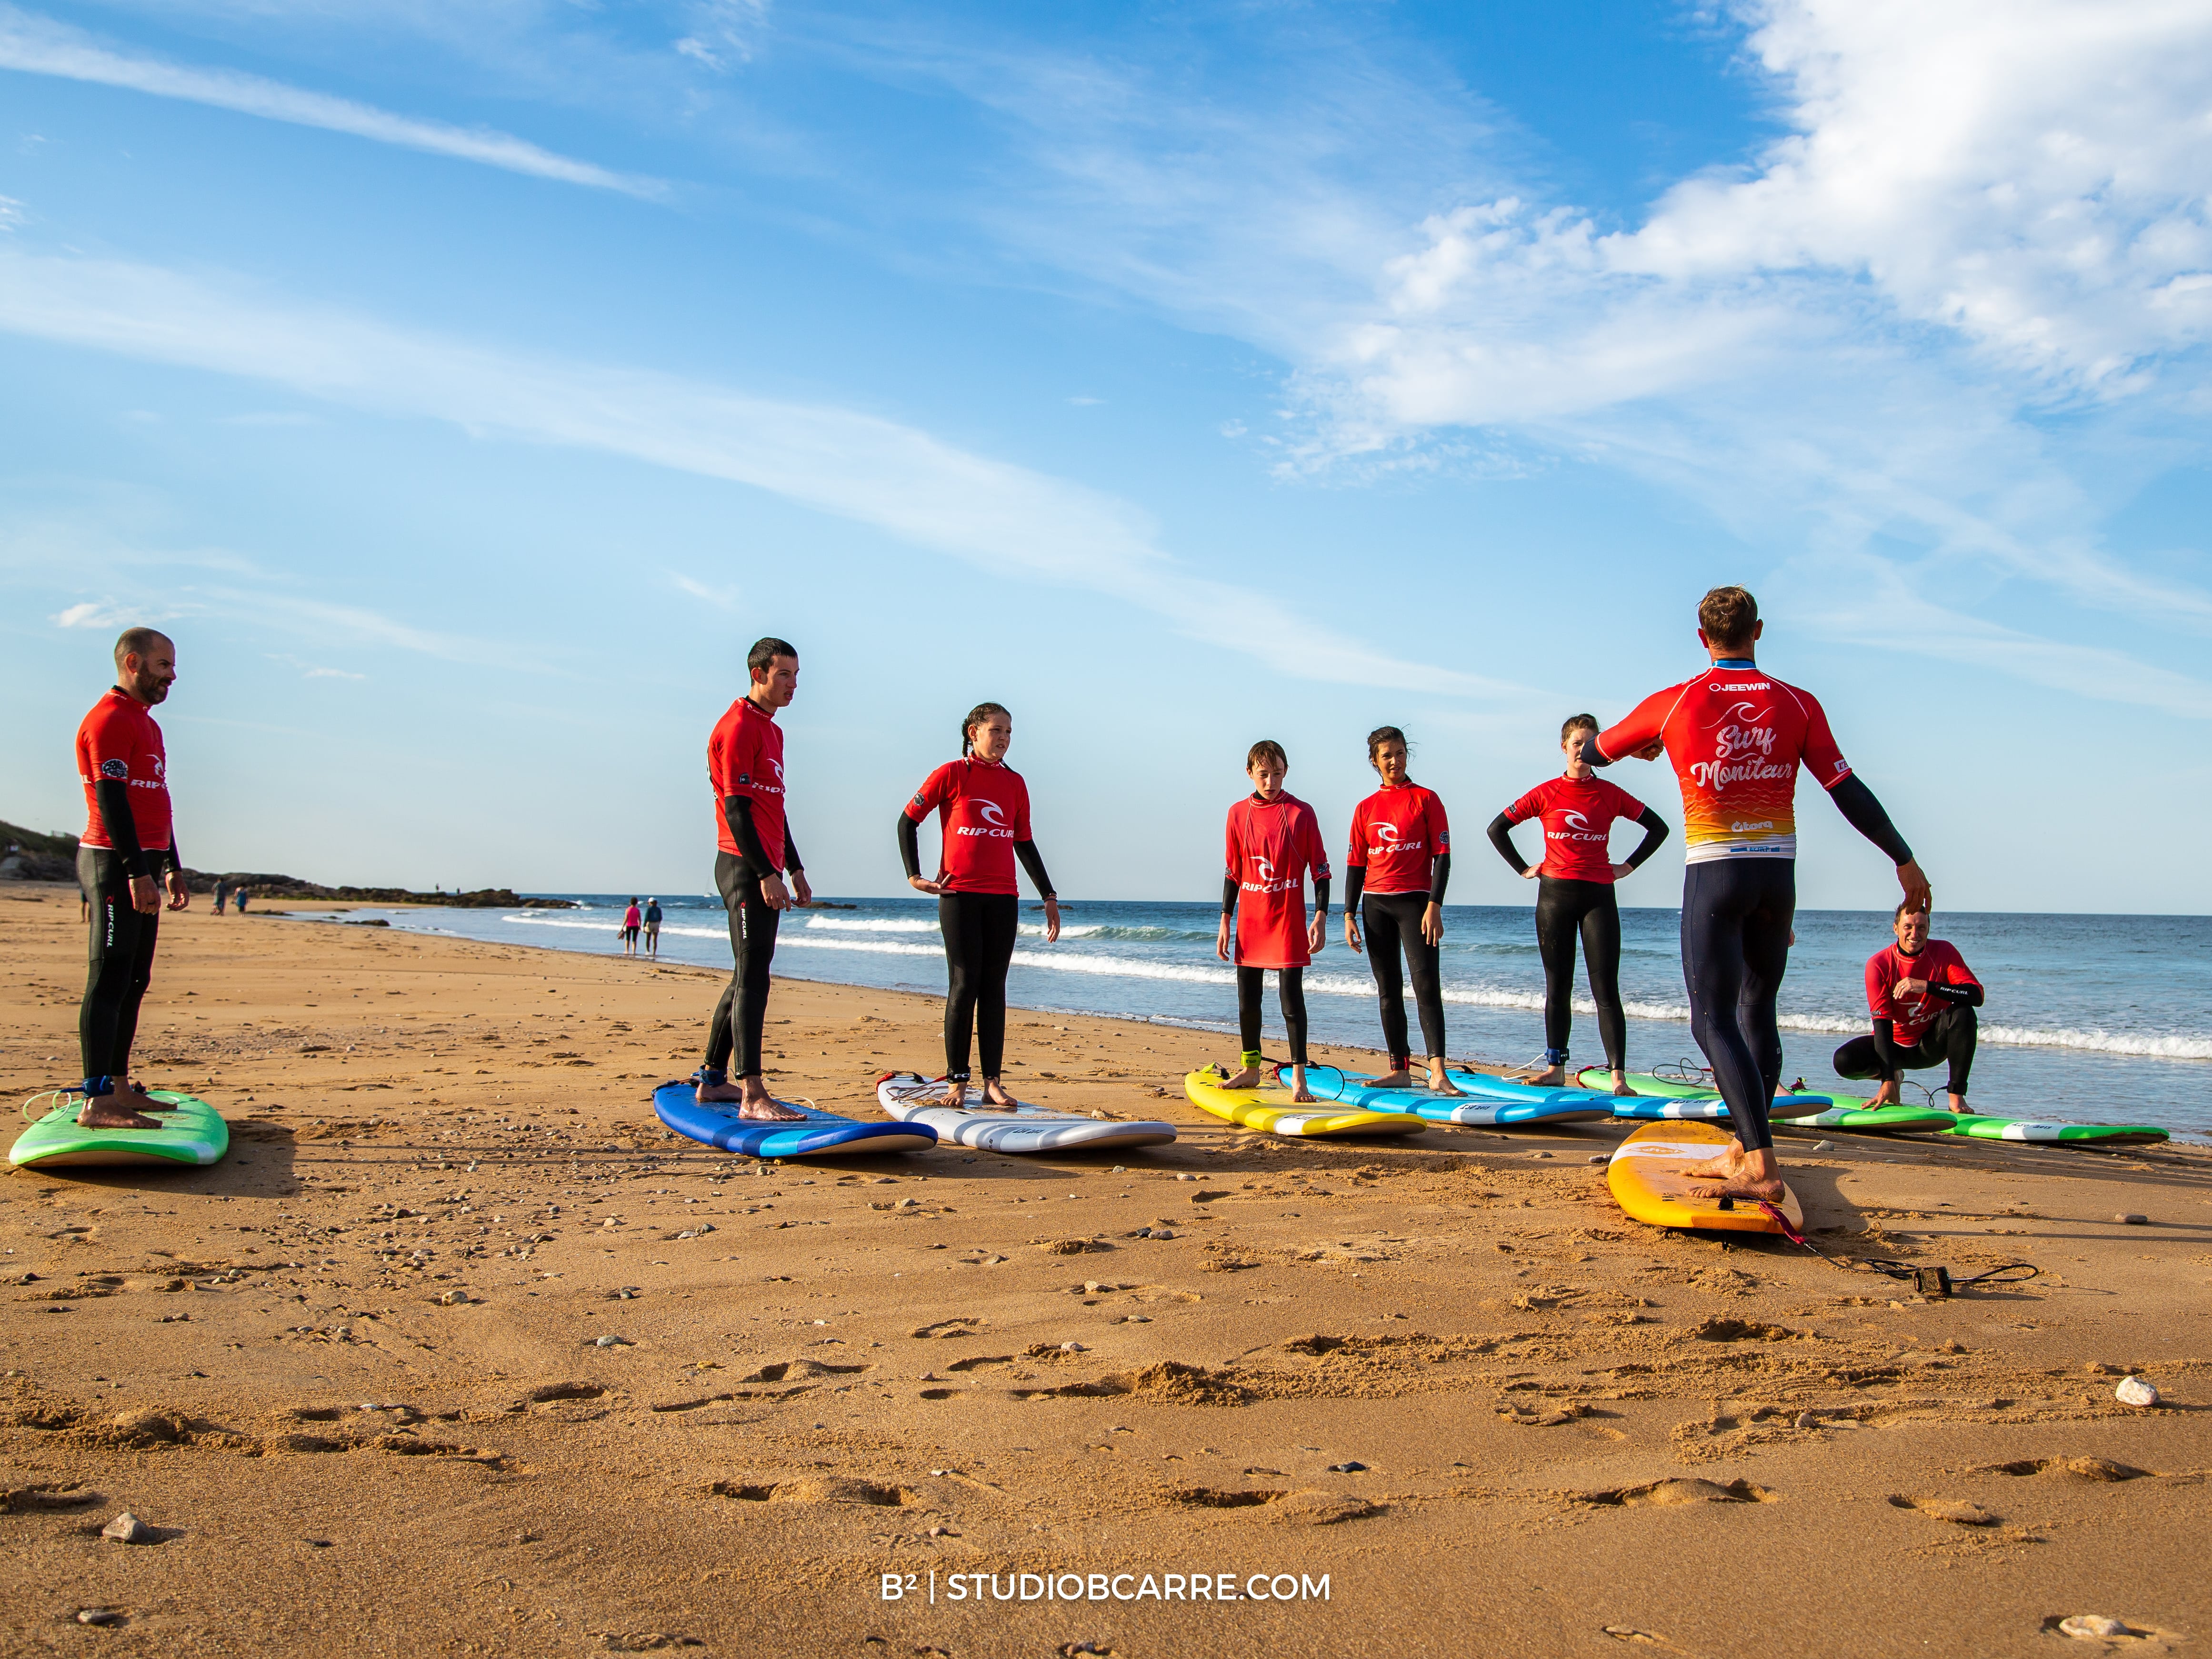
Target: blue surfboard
824	1135
1480	1110
1708	1108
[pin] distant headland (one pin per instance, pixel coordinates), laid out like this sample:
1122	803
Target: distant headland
26	855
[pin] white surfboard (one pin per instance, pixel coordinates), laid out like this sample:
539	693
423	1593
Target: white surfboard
915	1099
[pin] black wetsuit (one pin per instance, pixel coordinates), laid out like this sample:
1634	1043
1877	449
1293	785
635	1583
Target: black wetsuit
1566	908
1391	924
1948	1041
980	930
741	1012
119	959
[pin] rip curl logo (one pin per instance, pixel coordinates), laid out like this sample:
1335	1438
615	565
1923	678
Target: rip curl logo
994	818
779	769
1266	868
991	813
160	767
1578	829
1575	819
1386	833
115	768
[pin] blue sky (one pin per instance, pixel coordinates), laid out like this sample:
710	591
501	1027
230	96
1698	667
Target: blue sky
466	387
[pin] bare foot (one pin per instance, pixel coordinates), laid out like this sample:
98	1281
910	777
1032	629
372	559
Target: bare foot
1620	1086
1299	1093
1552	1076
1401	1078
1959	1108
718	1094
954	1095
764	1108
1440	1083
1770	1189
109	1112
1250	1078
995	1097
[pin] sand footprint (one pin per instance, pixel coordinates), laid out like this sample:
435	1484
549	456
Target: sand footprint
1956	1510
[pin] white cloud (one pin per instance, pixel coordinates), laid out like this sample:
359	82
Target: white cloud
93	613
39	45
1002	518
722	598
312	671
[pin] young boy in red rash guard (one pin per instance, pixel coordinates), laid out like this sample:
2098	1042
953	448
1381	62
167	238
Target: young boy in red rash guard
1272	844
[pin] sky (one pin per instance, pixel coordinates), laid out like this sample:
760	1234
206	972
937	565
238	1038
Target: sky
465	388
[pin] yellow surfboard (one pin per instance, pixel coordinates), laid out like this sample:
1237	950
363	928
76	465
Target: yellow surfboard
1271	1109
1649	1179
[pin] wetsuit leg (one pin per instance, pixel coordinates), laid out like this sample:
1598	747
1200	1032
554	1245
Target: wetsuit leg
1955	1033
1558	918
1291	984
992	933
1858	1061
1736	914
961	919
743	1010
1602	950
1384	939
1250	981
118	966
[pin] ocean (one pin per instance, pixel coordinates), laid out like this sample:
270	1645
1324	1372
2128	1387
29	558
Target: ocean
2093	1019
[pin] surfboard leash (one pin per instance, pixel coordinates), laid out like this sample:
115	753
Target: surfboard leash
60	1098
1931	1282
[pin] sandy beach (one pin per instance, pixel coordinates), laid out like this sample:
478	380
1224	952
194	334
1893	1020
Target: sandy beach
354	1375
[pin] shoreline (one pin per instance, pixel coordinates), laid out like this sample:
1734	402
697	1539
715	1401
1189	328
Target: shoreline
1446	1372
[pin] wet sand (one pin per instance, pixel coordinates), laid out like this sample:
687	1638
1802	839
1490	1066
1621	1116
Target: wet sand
1446	1372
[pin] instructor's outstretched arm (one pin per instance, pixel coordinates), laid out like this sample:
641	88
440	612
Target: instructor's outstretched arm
1864	814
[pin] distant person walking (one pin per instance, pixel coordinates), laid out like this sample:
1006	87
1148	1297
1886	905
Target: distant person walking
652	926
1923	997
744	766
221	894
633	919
238	898
126	859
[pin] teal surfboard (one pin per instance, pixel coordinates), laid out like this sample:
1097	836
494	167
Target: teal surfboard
192	1133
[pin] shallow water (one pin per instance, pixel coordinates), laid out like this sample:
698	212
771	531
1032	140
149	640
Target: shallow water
2096	1018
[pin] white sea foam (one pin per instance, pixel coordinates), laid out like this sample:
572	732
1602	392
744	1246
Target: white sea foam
852	934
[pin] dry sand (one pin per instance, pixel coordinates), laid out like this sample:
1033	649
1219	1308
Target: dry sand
1579	1436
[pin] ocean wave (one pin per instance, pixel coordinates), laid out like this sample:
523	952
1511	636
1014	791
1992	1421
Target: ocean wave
853	935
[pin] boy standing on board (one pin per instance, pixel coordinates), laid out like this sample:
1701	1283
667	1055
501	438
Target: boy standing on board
1737	737
126	860
1273	841
745	765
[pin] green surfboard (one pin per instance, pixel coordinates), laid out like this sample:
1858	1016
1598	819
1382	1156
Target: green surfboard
192	1133
1850	1112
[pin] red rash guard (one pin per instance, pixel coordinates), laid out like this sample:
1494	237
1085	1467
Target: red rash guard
1939	963
1395	834
746	758
1578	815
1269	850
119	741
1736	737
982	810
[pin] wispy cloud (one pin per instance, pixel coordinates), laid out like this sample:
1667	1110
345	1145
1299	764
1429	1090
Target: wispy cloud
1004	518
722	598
102	614
39	45
309	671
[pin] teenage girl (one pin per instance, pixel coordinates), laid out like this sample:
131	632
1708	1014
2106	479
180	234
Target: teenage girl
1273	842
983	811
1394	881
1574	892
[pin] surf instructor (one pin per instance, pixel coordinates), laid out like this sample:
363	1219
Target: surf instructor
983	813
1737	737
127	864
744	766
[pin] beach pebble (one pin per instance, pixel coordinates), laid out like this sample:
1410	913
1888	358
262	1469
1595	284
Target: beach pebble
99	1616
1121	1168
1808	1419
609	1340
1091	1287
127	1528
1824	1145
1539	1155
2091	1627
1183	1175
451	1298
1346	1468
2134	1391
1073	1347
2129	1219
1597	1158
